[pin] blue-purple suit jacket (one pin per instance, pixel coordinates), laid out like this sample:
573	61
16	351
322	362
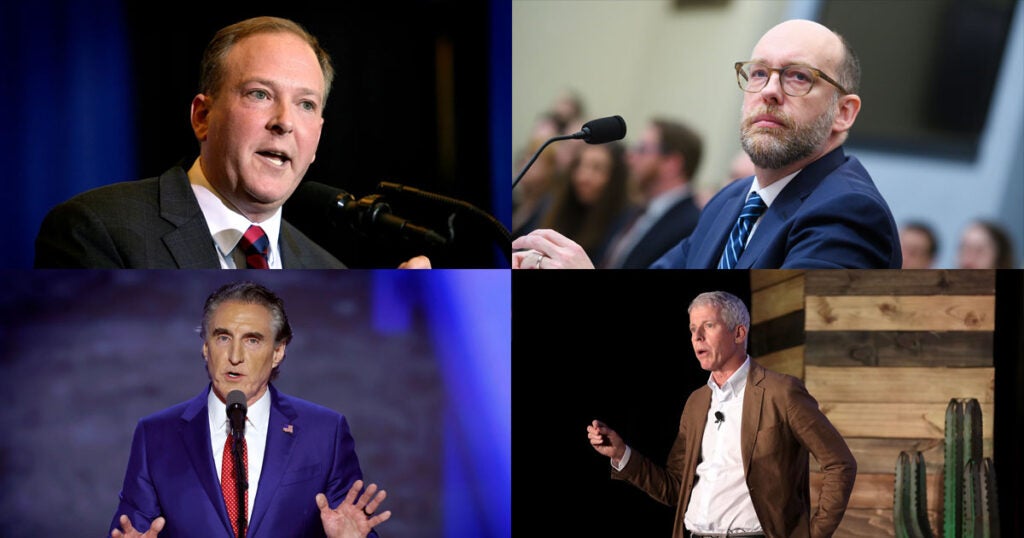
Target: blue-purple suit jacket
171	472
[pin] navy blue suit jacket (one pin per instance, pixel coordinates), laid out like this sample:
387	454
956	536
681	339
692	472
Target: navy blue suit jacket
830	216
171	472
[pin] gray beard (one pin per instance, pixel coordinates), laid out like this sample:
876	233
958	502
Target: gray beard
774	151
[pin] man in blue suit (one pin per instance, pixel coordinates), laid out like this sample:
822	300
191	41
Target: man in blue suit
299	457
808	205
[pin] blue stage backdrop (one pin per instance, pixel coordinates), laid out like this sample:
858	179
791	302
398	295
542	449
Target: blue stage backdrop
418	361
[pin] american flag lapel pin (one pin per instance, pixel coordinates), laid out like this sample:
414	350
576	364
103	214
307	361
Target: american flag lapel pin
289	429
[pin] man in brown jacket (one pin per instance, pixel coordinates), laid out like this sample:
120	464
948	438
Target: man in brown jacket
739	465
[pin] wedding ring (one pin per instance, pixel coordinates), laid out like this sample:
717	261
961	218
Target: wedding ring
540	258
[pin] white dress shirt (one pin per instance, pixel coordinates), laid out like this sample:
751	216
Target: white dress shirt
720	501
257	421
768	194
227	224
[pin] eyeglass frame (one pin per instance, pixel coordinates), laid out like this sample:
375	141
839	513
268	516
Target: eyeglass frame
814	70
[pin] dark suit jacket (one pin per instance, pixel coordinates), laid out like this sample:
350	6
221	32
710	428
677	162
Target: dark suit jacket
152	223
673	226
830	216
171	472
781	423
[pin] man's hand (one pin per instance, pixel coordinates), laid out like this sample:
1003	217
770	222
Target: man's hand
605	441
353	518
416	262
548	249
127	531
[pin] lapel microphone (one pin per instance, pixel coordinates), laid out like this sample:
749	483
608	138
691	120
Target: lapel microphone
719	418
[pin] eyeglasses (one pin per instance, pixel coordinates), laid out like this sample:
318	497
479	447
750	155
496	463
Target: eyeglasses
642	148
796	80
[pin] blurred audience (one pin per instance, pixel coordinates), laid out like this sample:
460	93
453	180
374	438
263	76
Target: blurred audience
739	167
919	244
985	245
589	207
532	196
662	166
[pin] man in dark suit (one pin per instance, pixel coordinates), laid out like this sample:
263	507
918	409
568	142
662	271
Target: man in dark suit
299	457
739	465
810	205
258	118
661	167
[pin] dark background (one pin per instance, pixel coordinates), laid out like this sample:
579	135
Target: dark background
101	90
606	345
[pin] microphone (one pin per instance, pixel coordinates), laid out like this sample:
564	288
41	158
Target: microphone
596	131
236	411
602	130
719	418
337	205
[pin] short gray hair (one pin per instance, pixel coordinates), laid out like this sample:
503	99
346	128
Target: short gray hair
731	308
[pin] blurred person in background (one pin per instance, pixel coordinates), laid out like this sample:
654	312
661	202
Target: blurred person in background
919	245
985	245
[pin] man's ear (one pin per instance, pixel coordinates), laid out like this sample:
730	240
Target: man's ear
201	116
849	107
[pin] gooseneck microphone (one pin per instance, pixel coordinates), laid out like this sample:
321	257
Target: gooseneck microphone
363	214
236	409
597	131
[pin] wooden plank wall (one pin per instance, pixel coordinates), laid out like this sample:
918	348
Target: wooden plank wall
885	351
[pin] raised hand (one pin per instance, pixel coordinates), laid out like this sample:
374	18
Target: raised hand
127	531
605	441
353	517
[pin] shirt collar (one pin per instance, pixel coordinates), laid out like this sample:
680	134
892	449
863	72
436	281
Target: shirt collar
733	387
662	202
257	416
226	223
769	193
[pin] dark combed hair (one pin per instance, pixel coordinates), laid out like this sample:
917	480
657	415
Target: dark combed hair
211	71
678	138
250	293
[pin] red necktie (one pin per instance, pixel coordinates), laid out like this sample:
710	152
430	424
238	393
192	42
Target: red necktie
227	482
255	245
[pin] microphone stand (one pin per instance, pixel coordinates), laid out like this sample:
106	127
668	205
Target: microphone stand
241	480
537	154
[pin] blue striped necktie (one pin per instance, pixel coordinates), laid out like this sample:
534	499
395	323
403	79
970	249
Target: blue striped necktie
753	209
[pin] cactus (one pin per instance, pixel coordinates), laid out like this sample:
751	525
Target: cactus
970	503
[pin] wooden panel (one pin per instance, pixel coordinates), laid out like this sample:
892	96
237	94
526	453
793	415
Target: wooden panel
879	455
788	361
876	490
896	282
899	348
867	384
895	420
763	278
877	523
777	334
778	300
892	313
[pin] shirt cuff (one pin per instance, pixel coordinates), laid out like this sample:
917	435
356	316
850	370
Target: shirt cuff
623	461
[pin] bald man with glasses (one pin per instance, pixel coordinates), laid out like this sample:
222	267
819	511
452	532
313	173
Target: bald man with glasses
808	204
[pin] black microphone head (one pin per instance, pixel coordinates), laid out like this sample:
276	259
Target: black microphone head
236	400
719	417
604	130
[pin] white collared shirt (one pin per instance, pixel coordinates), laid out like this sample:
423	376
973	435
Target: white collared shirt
257	421
768	194
720	501
227	225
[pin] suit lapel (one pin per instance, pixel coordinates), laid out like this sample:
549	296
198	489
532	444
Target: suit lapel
753	398
195	435
189	243
787	203
275	459
711	249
